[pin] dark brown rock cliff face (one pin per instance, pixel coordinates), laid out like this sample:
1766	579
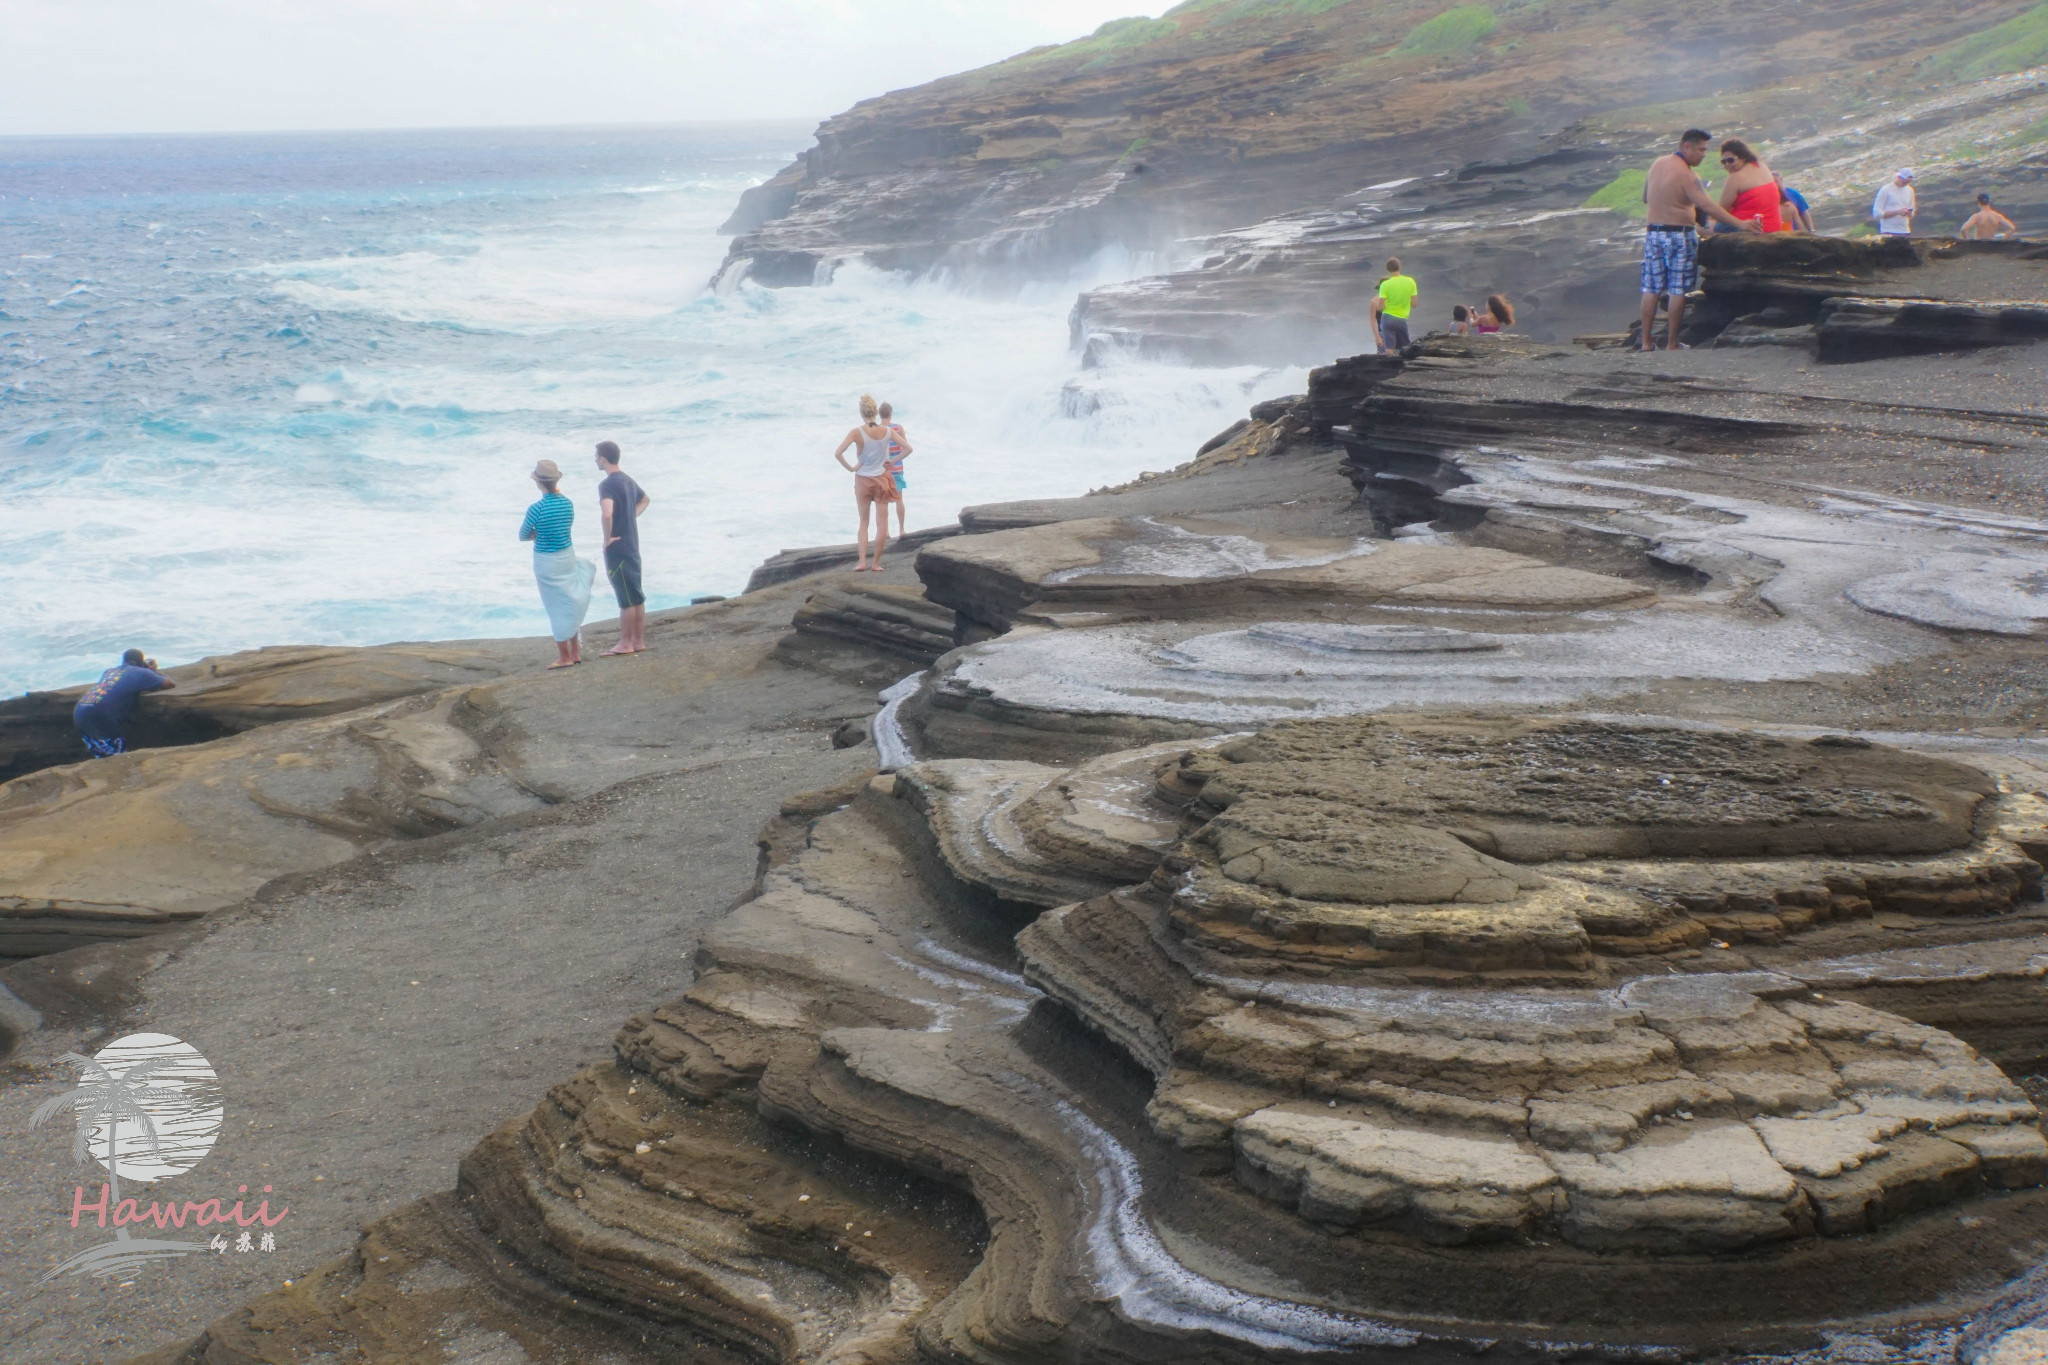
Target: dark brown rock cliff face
1165	138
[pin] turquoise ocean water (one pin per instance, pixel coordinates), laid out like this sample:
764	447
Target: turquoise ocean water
285	389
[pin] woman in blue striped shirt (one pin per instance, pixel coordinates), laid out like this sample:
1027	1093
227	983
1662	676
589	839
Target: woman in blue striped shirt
564	579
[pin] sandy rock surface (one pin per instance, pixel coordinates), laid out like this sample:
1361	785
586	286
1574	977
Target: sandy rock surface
348	1086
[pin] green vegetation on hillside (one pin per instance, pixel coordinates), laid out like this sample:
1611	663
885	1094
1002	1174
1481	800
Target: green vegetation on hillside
1133	32
1623	194
2014	45
1100	47
1452	31
1246	9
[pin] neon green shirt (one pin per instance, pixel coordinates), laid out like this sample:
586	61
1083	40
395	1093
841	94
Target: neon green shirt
1399	291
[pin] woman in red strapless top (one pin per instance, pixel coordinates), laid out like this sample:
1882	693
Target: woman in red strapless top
1750	191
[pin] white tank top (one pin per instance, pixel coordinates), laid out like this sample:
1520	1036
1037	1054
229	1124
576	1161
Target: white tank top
874	453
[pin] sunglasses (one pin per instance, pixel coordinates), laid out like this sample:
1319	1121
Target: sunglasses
1731	161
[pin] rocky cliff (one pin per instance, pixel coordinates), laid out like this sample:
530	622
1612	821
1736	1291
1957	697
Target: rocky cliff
1523	852
1261	157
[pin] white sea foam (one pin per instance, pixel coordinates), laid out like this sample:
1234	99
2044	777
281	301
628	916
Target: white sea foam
365	484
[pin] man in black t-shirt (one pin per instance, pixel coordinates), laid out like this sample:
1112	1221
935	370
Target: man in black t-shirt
622	503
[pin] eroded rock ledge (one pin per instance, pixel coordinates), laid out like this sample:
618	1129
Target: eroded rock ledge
1347	1036
1244	971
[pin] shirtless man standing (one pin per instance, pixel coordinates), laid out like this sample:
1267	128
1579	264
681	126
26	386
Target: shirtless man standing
1988	223
1671	248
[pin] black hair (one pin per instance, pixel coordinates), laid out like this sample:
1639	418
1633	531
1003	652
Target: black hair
135	657
608	451
1695	135
1460	313
1984	199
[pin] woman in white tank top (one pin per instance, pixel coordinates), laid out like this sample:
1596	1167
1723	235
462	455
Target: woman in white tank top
873	488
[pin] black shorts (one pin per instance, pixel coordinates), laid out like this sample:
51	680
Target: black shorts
624	572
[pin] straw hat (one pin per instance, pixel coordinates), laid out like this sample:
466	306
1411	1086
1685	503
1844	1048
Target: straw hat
548	471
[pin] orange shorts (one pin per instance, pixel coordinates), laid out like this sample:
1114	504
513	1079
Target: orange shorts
867	490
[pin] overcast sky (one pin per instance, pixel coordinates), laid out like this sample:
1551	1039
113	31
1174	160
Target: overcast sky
115	66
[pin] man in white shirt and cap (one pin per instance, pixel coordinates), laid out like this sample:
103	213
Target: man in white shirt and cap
1895	206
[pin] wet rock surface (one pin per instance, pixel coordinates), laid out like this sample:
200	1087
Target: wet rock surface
1245	957
1100	571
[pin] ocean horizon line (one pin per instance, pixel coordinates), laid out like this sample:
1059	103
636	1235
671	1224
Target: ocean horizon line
807	122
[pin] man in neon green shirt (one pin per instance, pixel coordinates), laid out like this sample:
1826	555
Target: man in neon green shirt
1391	308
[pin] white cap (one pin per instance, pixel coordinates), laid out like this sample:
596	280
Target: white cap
1905	173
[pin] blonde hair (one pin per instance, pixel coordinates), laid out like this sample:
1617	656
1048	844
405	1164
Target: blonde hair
867	408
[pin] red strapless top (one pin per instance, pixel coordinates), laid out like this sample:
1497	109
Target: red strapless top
1761	203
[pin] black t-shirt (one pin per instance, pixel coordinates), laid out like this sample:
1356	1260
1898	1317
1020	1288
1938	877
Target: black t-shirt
625	496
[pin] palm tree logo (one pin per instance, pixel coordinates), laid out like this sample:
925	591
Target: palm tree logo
147	1105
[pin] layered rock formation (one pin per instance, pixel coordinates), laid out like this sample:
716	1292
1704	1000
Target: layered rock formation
1262	158
1259	950
231	693
1270	1151
1693	528
330	754
1101	571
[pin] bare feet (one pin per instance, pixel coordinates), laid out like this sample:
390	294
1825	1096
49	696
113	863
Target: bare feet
563	663
619	648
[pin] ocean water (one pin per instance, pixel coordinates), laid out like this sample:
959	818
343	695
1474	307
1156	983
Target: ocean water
286	389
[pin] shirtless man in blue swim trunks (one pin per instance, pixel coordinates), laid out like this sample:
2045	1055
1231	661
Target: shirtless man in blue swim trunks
1671	246
102	713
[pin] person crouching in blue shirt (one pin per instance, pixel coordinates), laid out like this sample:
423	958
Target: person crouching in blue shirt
102	713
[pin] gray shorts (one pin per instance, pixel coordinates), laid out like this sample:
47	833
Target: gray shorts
1394	331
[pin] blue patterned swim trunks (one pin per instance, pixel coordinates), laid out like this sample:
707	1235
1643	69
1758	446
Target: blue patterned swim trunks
1671	261
105	748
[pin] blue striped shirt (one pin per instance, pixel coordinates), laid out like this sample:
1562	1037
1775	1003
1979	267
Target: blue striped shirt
549	521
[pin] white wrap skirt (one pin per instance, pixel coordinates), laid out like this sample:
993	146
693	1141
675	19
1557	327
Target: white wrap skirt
564	590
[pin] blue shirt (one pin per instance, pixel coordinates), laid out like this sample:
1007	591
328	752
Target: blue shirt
549	521
109	702
1798	200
